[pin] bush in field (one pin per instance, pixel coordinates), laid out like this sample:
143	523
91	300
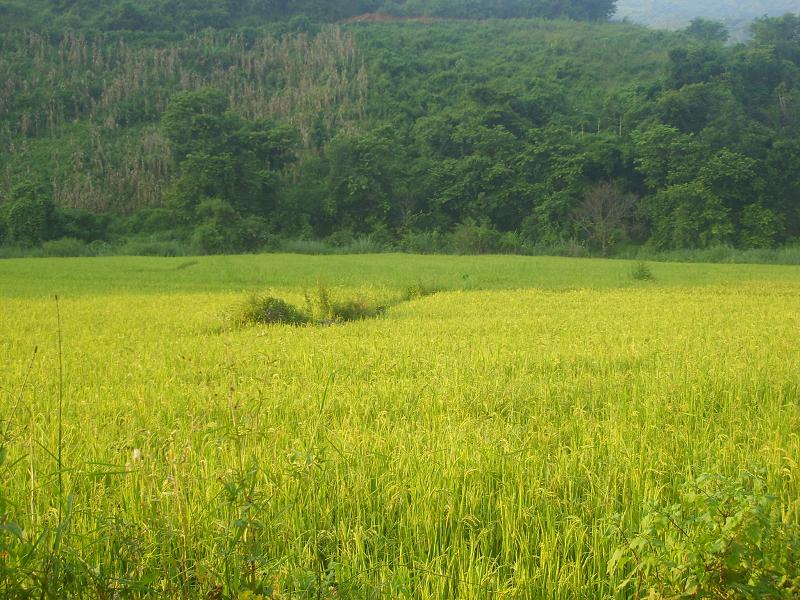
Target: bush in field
356	309
420	290
641	271
268	310
327	310
724	538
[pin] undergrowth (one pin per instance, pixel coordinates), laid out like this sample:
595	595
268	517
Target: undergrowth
268	310
323	307
641	271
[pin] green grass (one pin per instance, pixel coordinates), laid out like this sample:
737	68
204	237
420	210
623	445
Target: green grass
472	443
111	275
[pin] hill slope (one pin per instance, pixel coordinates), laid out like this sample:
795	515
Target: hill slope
485	135
191	15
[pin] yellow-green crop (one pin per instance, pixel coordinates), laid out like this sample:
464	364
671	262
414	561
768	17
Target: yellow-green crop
473	443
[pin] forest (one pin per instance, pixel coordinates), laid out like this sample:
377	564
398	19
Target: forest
191	15
429	126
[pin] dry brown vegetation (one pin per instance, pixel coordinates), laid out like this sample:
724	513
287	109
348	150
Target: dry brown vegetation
313	82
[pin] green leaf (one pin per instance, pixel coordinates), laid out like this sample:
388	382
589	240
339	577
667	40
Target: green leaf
13	529
615	560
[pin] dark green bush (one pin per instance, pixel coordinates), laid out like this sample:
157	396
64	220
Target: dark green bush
101	248
759	227
210	238
511	243
474	238
223	230
81	224
641	271
355	310
420	290
67	246
267	310
30	220
339	239
422	242
326	310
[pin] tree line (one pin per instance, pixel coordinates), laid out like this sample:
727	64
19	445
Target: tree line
193	15
498	134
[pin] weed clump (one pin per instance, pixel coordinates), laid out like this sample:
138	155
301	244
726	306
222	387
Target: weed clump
356	310
641	271
420	290
320	309
267	310
324	310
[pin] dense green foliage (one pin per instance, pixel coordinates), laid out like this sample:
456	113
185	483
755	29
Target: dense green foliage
475	136
187	15
725	538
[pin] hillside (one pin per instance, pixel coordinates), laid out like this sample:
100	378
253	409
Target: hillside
477	135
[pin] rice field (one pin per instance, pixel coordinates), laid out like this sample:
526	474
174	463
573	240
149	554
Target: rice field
471	443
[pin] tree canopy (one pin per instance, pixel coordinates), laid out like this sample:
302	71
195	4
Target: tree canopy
489	133
189	15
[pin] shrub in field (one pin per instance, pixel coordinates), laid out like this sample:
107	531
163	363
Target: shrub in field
268	310
420	290
725	538
641	271
356	309
326	310
320	309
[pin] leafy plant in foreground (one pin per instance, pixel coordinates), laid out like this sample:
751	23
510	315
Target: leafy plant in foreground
724	538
